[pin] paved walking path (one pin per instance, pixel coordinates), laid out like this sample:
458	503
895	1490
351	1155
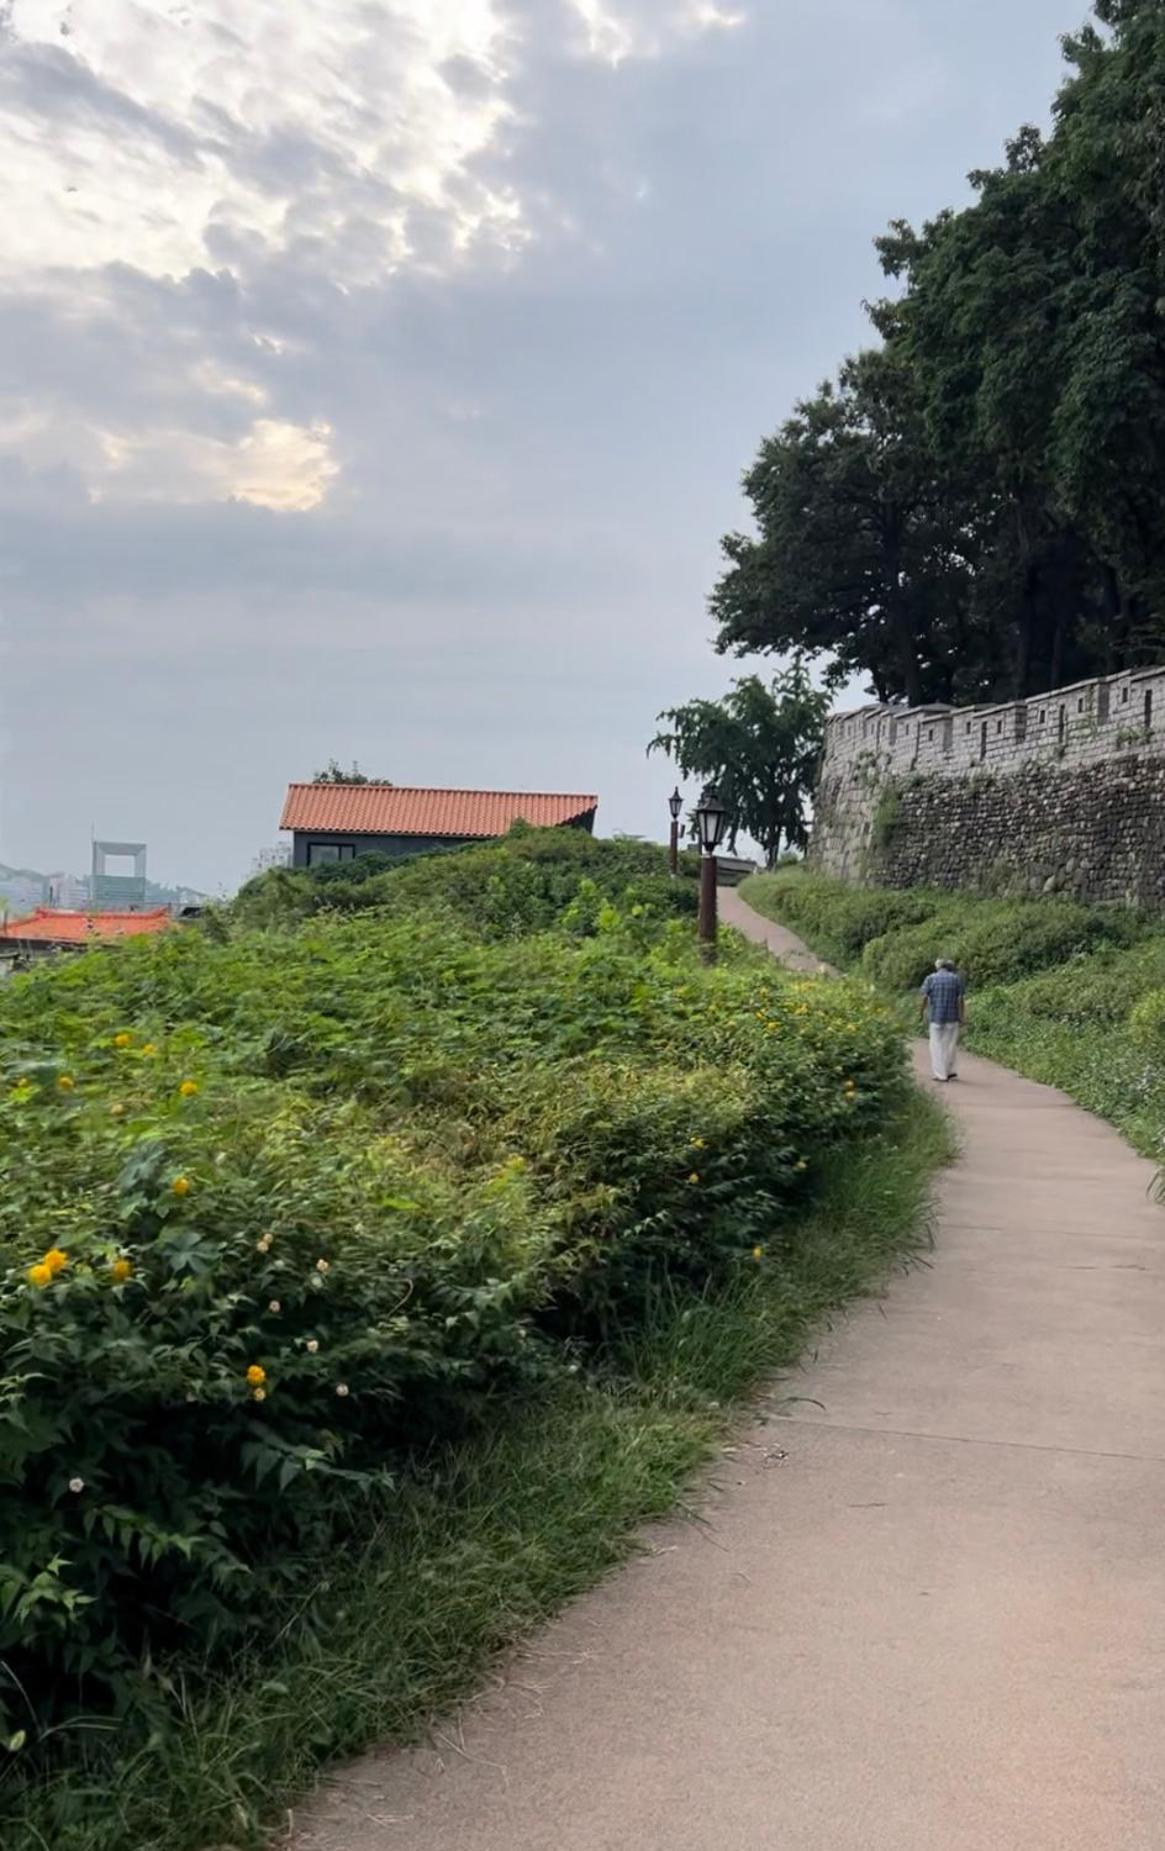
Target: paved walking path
927	1611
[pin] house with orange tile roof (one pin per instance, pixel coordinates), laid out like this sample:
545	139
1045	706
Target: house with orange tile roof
51	929
337	822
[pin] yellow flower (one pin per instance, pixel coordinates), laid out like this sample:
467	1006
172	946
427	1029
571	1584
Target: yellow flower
56	1261
188	1088
123	1040
180	1185
694	1177
120	1271
697	1143
40	1276
256	1375
66	1082
758	1253
117	1111
149	1048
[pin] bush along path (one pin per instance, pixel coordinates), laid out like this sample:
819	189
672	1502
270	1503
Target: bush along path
1068	994
928	1607
368	1272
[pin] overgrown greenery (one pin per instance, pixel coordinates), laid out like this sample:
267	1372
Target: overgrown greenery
972	510
1071	995
759	746
500	890
328	1251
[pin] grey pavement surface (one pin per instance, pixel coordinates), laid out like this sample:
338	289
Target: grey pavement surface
926	1611
783	944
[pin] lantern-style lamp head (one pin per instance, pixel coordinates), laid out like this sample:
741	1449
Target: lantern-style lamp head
711	821
675	804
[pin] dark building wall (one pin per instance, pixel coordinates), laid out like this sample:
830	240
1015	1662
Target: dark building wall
372	845
397	845
1095	831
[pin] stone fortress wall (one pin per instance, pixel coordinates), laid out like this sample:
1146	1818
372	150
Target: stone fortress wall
1062	792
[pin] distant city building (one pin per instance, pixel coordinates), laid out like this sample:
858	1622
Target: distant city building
122	892
20	892
65	890
268	858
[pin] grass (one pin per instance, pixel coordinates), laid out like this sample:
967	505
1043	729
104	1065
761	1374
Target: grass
1070	995
496	1537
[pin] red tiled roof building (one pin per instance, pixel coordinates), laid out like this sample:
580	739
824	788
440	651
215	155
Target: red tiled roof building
336	822
47	927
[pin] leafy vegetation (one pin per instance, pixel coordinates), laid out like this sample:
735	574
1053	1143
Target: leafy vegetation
972	510
500	890
334	773
1071	995
307	1234
759	746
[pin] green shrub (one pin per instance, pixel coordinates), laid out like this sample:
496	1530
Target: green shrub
839	920
280	1208
1147	1022
1071	995
503	889
994	941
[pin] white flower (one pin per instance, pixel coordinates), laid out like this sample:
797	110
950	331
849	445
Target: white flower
317	1283
192	1396
341	1388
77	1485
313	1344
323	1266
275	1306
264	1244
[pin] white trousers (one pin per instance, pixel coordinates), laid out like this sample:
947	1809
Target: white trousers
944	1049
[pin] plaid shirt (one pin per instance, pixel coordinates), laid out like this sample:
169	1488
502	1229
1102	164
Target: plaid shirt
944	991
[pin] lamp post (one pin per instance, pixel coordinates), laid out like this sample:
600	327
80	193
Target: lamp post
675	804
711	820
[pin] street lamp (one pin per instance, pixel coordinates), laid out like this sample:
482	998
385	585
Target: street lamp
675	804
711	821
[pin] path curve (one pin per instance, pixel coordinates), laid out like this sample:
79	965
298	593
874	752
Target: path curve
928	1612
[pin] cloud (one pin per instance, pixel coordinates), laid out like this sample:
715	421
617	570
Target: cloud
383	387
615	32
227	180
158	136
276	465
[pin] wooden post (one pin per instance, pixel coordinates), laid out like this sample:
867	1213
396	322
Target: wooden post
706	930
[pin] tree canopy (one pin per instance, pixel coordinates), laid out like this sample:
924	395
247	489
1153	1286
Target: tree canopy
334	773
759	745
974	509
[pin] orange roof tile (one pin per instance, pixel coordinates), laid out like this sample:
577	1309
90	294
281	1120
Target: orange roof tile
399	810
46	926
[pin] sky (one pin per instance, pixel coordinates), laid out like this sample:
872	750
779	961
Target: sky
377	376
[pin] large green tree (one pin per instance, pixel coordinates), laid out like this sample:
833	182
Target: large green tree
759	745
867	543
978	508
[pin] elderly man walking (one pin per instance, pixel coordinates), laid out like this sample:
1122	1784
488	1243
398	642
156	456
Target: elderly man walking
944	1006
